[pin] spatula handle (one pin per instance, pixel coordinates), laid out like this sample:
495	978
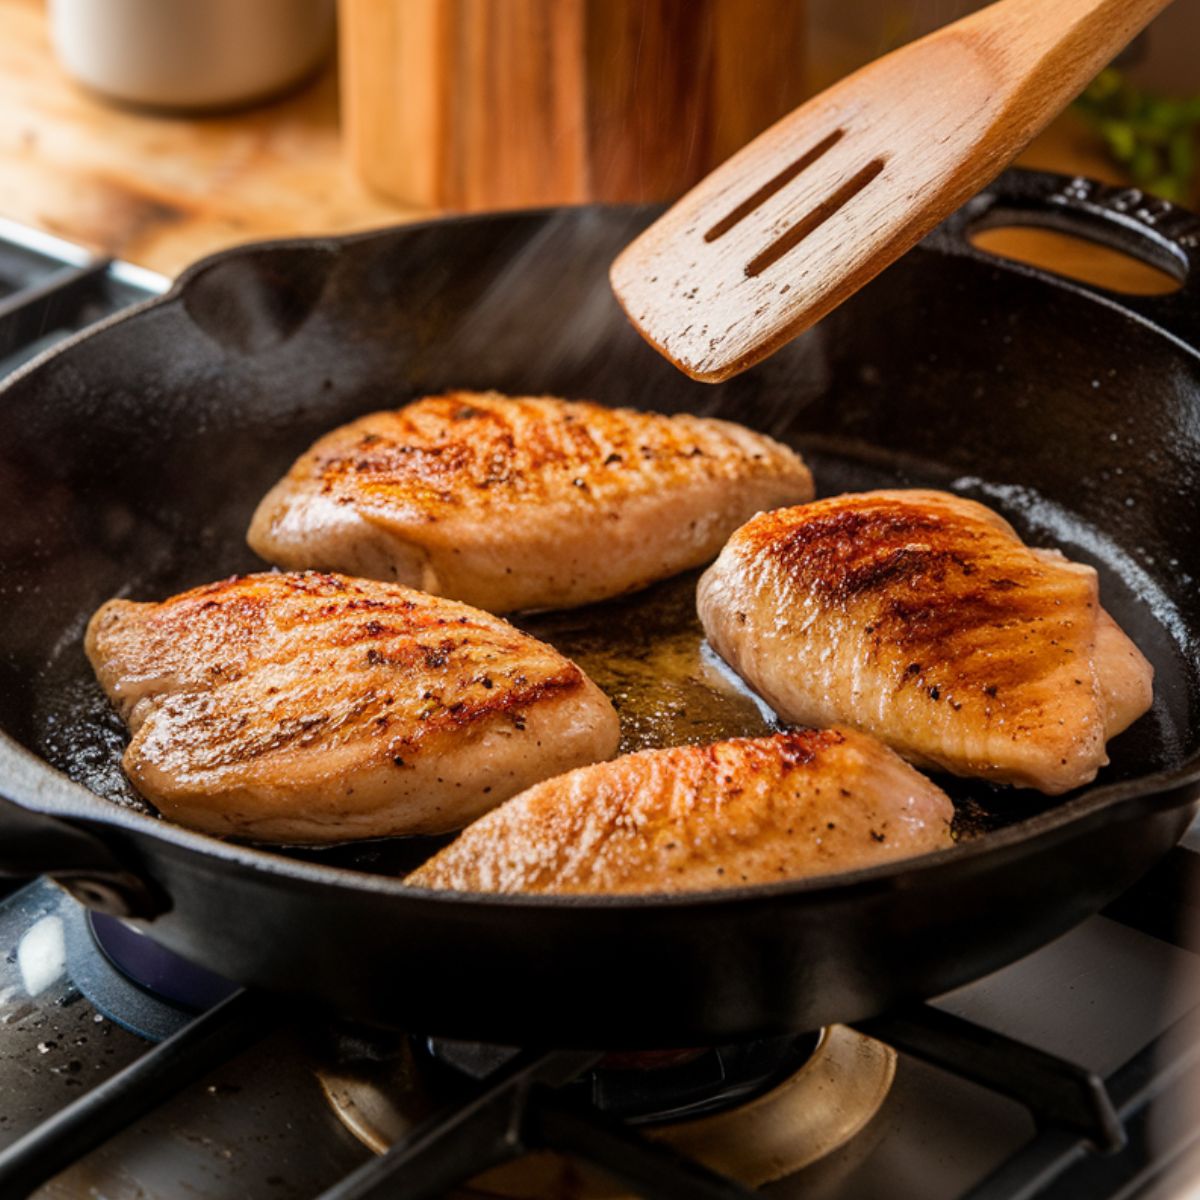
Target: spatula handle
1058	46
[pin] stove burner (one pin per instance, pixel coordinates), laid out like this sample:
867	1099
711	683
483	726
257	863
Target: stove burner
754	1112
656	1087
132	980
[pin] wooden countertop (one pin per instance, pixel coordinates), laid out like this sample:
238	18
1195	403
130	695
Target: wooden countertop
163	191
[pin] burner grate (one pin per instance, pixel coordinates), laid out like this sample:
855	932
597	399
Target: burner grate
525	1104
1058	1092
118	1102
50	289
652	1089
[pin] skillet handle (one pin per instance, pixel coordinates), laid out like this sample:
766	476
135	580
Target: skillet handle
1125	219
33	843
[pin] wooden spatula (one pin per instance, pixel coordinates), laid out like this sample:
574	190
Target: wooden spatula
821	202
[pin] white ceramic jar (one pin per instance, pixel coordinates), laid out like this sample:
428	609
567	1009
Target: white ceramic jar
190	55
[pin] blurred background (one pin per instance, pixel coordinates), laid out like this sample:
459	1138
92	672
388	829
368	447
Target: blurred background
160	130
1168	58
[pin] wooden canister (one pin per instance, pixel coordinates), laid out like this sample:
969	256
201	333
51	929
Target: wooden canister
479	104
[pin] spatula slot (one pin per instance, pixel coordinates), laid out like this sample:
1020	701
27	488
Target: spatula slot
819	215
768	189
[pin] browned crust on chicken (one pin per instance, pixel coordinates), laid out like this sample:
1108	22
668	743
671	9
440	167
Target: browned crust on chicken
748	810
945	591
476	451
315	707
522	502
922	618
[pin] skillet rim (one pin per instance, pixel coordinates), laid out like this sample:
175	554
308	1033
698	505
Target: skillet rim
38	787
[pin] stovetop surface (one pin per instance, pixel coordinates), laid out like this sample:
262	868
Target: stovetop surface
259	1126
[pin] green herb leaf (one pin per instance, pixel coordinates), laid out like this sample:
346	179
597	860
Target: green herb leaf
1154	137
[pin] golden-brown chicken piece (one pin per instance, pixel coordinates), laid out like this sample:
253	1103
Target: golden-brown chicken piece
522	503
318	708
694	818
922	618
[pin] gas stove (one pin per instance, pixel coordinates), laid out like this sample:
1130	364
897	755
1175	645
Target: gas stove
125	1073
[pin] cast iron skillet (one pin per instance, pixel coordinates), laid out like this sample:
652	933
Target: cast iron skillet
131	459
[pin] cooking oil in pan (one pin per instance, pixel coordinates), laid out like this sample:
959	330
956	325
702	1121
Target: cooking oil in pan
648	653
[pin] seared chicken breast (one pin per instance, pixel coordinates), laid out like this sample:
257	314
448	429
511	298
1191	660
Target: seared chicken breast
522	503
694	818
921	617
317	708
